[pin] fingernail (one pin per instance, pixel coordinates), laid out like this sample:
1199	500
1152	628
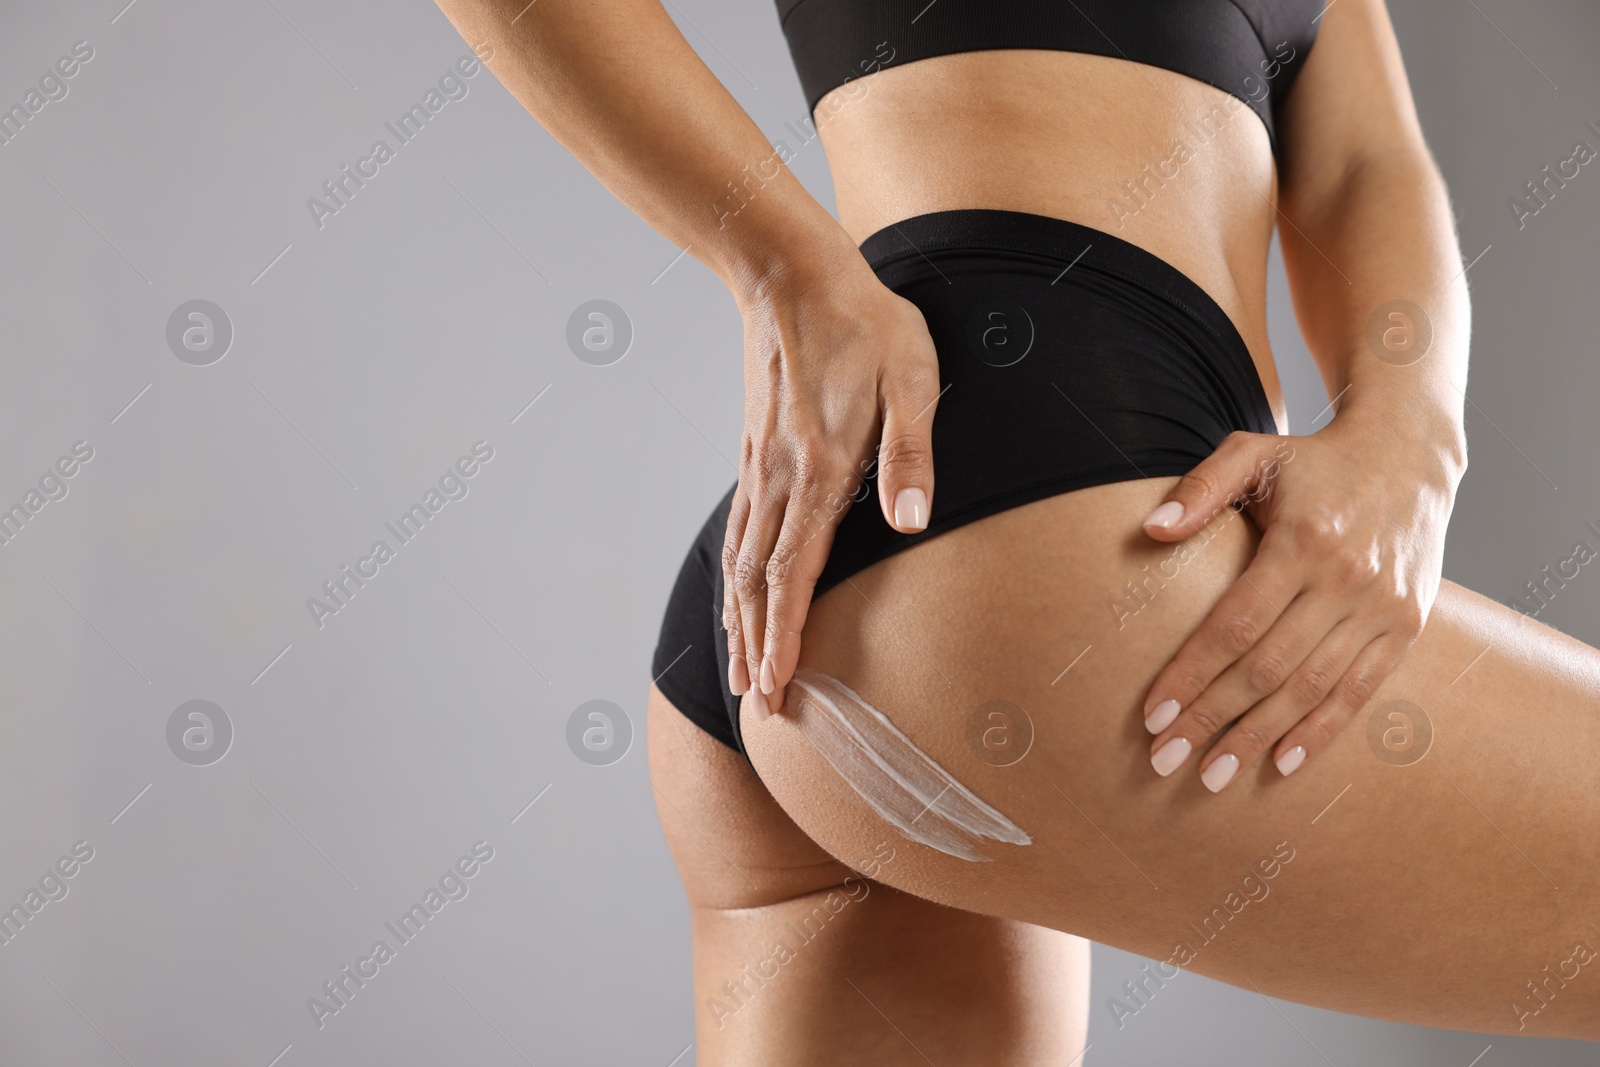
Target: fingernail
1166	516
1170	756
1290	761
1161	716
738	676
768	680
911	509
758	705
1220	772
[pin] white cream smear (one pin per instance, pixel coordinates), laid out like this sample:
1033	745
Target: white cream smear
897	779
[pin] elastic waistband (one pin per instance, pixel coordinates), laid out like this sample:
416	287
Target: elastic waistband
1071	246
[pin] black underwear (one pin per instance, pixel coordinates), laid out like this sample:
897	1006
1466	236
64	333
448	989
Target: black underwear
1068	358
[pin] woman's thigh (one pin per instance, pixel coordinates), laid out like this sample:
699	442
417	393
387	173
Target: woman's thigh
801	959
1457	889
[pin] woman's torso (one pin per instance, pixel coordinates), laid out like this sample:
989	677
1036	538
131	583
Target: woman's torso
1164	161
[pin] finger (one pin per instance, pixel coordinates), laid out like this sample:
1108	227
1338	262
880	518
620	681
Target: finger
738	516
1349	693
1245	613
797	561
1239	469
750	578
1256	675
1270	720
905	454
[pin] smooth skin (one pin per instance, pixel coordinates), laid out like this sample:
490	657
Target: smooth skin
835	365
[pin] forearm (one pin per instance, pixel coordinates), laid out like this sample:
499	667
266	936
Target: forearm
1384	233
617	85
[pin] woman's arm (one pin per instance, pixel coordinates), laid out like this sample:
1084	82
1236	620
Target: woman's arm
1353	528
835	364
1367	222
615	82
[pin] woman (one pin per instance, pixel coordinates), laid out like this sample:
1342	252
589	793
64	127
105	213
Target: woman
1073	693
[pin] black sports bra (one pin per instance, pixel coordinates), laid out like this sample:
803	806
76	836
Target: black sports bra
1250	48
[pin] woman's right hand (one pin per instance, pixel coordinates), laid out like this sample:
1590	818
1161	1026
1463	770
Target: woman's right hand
836	368
834	363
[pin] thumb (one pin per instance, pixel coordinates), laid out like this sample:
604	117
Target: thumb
1229	474
905	455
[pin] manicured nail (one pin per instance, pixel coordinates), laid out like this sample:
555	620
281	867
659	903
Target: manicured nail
1290	761
1170	756
1166	516
758	705
1161	716
1220	772
738	676
769	681
911	509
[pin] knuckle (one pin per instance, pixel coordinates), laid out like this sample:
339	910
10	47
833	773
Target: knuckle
1200	483
758	470
1321	529
1319	731
748	577
905	454
753	481
1313	681
777	570
805	463
915	375
1238	634
1189	682
770	467
1372	565
1357	687
1267	671
1353	566
1247	739
1206	721
782	571
1239	439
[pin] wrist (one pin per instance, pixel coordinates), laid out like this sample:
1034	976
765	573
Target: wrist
1424	435
785	252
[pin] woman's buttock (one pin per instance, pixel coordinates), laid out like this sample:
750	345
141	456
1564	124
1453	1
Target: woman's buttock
1068	358
1032	616
1014	655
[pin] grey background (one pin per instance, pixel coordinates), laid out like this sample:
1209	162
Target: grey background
369	754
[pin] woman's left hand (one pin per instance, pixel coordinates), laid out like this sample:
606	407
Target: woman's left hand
1353	522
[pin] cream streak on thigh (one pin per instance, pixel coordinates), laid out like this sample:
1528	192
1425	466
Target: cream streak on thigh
901	782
